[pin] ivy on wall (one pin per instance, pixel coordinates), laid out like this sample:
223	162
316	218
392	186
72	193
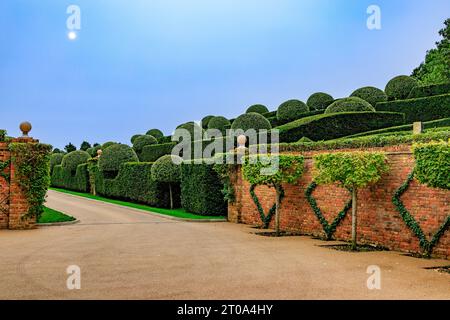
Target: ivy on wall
328	228
225	169
32	172
3	166
433	164
265	218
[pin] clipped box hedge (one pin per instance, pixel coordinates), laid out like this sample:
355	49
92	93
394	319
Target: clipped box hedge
134	183
63	178
336	125
419	109
201	190
428	91
151	153
165	139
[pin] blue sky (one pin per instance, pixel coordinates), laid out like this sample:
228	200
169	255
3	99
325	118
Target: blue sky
140	64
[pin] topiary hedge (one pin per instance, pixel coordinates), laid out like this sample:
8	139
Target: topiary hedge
201	190
351	104
336	125
205	121
195	131
165	139
108	144
142	141
370	94
93	150
319	101
63	178
251	120
167	170
291	110
153	152
134	137
399	87
257	108
71	160
428	91
112	158
420	109
158	134
55	159
220	123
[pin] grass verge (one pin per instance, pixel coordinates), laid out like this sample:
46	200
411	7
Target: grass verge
179	213
52	216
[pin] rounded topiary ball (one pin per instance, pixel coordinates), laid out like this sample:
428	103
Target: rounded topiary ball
167	169
71	160
113	156
142	141
291	110
108	144
258	108
351	104
55	159
205	121
251	120
371	94
158	134
134	137
195	131
400	87
220	123
319	101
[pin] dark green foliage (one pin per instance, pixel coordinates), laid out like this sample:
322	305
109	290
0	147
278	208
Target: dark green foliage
153	152
2	135
113	156
201	190
291	110
205	121
436	67
142	141
220	123
305	139
56	150
399	87
134	183
166	170
351	104
332	126
251	120
85	145
93	150
195	131
70	147
107	144
134	137
370	94
420	109
257	108
265	217
275	122
319	101
433	164
430	90
269	114
71	160
55	159
165	139
32	168
158	134
63	178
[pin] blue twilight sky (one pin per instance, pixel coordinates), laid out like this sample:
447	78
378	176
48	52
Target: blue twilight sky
140	64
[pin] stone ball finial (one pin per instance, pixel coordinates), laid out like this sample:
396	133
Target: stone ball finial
241	140
99	152
25	127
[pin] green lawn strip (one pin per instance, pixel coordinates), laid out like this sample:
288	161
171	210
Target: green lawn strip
179	213
51	216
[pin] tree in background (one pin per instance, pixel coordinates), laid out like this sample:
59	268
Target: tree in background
436	67
70	147
85	145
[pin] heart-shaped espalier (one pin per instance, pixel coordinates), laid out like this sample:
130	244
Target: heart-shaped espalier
427	246
329	229
265	218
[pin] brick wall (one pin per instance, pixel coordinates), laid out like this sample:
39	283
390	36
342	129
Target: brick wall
378	220
13	202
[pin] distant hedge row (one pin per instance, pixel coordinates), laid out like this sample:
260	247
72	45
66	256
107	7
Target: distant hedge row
64	178
419	109
428	91
336	125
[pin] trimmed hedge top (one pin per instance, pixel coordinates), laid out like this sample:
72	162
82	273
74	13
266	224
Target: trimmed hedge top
319	101
370	94
220	123
142	141
251	120
113	156
433	164
291	110
258	108
399	87
158	134
108	144
71	160
428	91
351	104
55	159
205	121
193	128
166	170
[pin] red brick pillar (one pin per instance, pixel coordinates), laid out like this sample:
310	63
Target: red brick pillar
18	203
